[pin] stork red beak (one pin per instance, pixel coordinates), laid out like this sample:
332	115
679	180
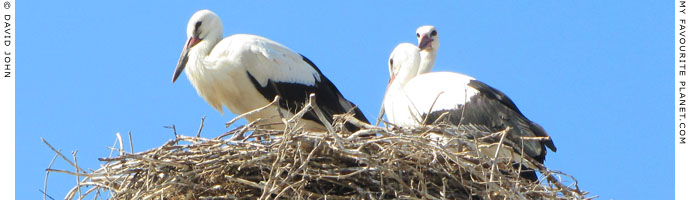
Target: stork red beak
390	81
184	57
425	42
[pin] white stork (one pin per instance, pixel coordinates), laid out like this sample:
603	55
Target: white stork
413	100
428	42
245	72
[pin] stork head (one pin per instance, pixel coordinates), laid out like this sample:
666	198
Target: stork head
402	66
203	26
403	63
427	38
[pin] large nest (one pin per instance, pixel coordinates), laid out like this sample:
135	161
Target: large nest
252	162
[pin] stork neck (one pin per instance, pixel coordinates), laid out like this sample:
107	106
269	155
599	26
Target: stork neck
427	62
200	51
198	63
403	77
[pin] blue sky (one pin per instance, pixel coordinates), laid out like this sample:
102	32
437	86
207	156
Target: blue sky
595	74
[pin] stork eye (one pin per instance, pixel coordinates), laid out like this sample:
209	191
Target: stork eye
196	26
417	34
390	62
433	33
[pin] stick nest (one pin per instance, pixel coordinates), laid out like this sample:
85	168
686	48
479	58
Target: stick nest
252	162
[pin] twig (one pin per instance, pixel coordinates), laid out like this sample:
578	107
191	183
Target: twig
382	111
173	129
45	195
246	182
45	181
233	131
62	156
274	102
131	146
201	126
494	162
322	118
119	140
74	155
353	120
67	172
536	138
431	108
114	144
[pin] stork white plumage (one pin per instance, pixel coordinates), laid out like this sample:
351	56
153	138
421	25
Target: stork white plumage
245	72
413	100
428	42
406	56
